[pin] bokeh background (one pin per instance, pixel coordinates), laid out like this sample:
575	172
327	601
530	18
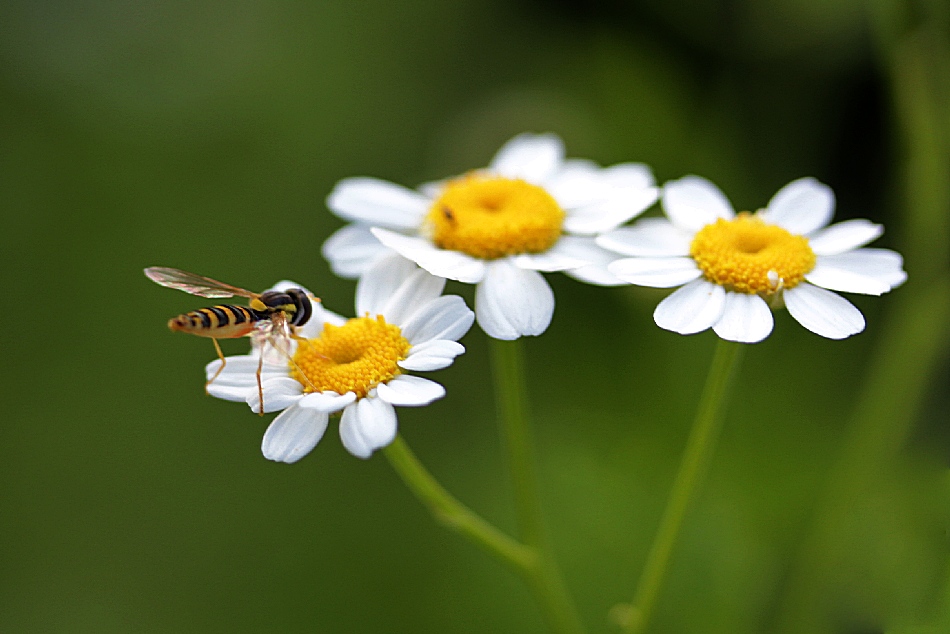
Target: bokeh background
206	135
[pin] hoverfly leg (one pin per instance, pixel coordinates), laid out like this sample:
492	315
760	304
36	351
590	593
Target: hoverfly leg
223	363
292	333
261	337
260	387
302	373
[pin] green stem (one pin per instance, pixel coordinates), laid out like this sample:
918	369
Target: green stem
692	471
545	578
452	513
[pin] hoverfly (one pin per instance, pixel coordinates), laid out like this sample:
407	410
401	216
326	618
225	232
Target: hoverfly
270	318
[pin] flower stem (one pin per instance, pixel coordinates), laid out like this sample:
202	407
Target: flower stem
544	578
452	513
692	471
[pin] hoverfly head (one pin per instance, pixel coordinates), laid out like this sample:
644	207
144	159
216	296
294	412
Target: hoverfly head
303	307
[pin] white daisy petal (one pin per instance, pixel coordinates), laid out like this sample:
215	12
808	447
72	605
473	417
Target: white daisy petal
432	355
532	157
801	207
352	250
693	202
279	393
650	237
415	294
444	318
293	434
549	261
596	218
844	236
320	316
634	175
606	215
329	317
656	272
241	370
327	402
410	391
235	393
452	265
745	318
836	279
416	291
432	189
235	368
595	272
882	264
580	184
867	271
693	308
284	285
512	302
233	374
576	184
823	312
367	425
377	202
380	281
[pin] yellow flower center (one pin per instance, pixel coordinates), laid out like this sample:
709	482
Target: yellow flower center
747	255
492	217
354	357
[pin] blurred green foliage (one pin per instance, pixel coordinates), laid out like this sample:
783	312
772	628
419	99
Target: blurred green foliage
205	136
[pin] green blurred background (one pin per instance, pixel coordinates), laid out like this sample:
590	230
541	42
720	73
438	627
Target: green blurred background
206	136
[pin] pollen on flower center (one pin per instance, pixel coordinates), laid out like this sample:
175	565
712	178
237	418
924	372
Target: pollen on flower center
354	357
492	217
747	255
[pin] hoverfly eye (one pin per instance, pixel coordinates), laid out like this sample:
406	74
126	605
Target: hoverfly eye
303	306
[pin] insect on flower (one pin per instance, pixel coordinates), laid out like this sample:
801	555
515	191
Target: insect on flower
270	319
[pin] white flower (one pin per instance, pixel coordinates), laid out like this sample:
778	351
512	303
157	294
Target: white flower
529	211
358	365
734	267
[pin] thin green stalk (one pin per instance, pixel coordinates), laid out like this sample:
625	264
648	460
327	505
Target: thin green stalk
545	579
452	513
692	471
511	395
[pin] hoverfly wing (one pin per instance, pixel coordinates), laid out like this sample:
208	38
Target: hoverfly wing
194	284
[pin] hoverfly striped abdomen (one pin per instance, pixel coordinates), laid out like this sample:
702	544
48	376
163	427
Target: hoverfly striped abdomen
224	321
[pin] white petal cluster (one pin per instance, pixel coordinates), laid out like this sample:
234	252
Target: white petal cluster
658	255
405	296
512	297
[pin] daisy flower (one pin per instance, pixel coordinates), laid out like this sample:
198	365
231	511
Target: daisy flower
529	211
733	268
358	366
